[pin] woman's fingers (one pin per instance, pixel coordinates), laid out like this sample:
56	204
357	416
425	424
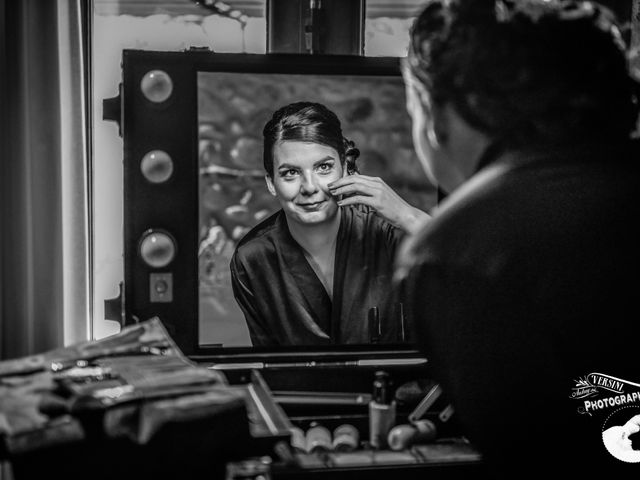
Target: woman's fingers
376	194
358	200
354	188
356	180
362	185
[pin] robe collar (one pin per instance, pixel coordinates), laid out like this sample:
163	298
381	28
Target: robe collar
326	314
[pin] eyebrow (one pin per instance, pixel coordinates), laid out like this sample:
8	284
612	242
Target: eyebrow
287	166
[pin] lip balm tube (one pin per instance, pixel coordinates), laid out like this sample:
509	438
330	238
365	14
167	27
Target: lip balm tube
346	438
403	436
318	439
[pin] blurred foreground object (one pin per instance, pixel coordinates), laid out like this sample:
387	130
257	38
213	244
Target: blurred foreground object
129	404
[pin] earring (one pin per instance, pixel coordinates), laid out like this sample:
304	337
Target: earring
432	137
441	136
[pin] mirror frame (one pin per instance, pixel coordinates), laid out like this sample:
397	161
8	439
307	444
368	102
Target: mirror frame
172	126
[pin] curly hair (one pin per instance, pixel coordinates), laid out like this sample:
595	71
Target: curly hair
524	71
307	122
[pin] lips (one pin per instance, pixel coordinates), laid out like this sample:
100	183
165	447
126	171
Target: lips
312	205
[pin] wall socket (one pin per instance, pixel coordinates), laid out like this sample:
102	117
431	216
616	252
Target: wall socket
161	287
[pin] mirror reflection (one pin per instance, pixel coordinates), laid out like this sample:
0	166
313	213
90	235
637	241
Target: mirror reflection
294	295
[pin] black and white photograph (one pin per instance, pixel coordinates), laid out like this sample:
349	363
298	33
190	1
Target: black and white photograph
319	239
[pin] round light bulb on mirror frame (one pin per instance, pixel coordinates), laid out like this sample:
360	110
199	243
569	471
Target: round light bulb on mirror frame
156	86
156	166
157	248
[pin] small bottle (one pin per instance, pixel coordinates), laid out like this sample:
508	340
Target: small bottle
382	411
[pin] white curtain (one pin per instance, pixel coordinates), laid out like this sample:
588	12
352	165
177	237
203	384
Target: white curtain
44	167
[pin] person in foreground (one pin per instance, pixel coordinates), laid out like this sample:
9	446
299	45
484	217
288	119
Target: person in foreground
311	273
526	277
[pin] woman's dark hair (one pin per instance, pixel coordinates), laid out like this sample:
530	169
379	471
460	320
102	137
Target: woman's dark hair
307	122
527	71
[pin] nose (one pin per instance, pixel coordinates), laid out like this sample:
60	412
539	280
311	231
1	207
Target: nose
309	185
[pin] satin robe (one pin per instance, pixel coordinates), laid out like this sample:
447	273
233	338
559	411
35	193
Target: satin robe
285	303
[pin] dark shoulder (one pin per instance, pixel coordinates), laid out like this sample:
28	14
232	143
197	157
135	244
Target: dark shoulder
469	224
262	237
524	196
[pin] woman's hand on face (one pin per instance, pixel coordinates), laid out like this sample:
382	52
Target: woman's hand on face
375	193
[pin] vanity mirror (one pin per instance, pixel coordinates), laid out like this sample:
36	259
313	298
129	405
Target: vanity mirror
191	124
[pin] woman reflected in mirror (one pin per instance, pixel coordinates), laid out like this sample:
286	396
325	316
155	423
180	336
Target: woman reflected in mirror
319	270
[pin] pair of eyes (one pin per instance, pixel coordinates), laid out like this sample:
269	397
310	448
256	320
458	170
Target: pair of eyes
322	168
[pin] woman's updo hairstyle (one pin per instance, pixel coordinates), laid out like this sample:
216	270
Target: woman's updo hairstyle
307	122
351	154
